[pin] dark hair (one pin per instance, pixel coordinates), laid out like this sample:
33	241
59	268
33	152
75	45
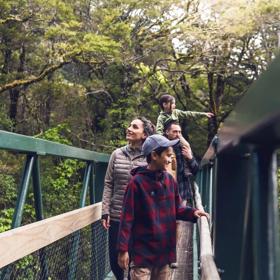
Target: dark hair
158	151
165	99
149	127
168	124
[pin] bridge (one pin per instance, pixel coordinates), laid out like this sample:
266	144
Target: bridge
237	185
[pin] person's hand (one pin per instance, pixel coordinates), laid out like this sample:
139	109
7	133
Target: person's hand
105	221
187	152
209	115
199	213
123	260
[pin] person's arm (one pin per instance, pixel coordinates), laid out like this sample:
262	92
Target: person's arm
192	114
191	161
126	223
108	192
160	125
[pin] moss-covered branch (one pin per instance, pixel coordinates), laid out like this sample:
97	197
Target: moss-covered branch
33	79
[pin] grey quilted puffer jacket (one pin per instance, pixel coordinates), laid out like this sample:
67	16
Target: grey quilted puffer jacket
117	176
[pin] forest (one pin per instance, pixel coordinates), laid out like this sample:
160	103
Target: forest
77	72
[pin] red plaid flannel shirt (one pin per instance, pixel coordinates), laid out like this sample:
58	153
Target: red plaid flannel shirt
148	222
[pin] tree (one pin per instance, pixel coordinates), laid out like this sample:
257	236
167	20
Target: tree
111	60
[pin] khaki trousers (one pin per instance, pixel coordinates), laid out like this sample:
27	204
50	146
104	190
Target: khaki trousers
150	273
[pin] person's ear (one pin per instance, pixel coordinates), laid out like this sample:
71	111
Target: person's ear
154	155
144	136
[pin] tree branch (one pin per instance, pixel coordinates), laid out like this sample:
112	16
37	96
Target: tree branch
27	82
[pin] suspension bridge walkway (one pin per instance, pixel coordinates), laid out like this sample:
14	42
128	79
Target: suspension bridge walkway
237	185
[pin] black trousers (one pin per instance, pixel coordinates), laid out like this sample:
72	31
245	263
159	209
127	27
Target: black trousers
113	253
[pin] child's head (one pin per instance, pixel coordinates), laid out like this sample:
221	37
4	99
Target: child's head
158	150
167	103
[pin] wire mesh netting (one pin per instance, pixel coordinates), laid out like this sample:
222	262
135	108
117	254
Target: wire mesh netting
81	255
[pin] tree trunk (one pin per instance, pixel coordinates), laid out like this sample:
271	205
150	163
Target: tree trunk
14	96
15	92
48	104
214	103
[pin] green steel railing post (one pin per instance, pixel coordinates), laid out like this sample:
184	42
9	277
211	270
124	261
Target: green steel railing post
100	169
204	186
246	233
214	202
75	248
265	242
86	181
92	199
39	212
200	186
17	218
37	190
207	189
210	191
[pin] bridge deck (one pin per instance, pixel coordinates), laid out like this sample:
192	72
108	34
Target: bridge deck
184	252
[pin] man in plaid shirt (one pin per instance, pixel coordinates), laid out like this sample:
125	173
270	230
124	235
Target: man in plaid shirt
148	222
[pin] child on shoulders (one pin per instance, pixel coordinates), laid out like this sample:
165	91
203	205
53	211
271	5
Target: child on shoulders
169	112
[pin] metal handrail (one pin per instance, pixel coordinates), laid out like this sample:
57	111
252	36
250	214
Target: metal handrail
208	267
31	145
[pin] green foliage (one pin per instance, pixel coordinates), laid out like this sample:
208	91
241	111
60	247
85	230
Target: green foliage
62	180
6	217
62	185
5	122
7	198
57	134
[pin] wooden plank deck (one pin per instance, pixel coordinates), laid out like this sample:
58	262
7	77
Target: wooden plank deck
184	252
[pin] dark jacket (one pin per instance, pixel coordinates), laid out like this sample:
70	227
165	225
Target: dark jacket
186	169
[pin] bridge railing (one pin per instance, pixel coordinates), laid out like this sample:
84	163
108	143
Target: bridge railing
207	269
57	247
238	184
